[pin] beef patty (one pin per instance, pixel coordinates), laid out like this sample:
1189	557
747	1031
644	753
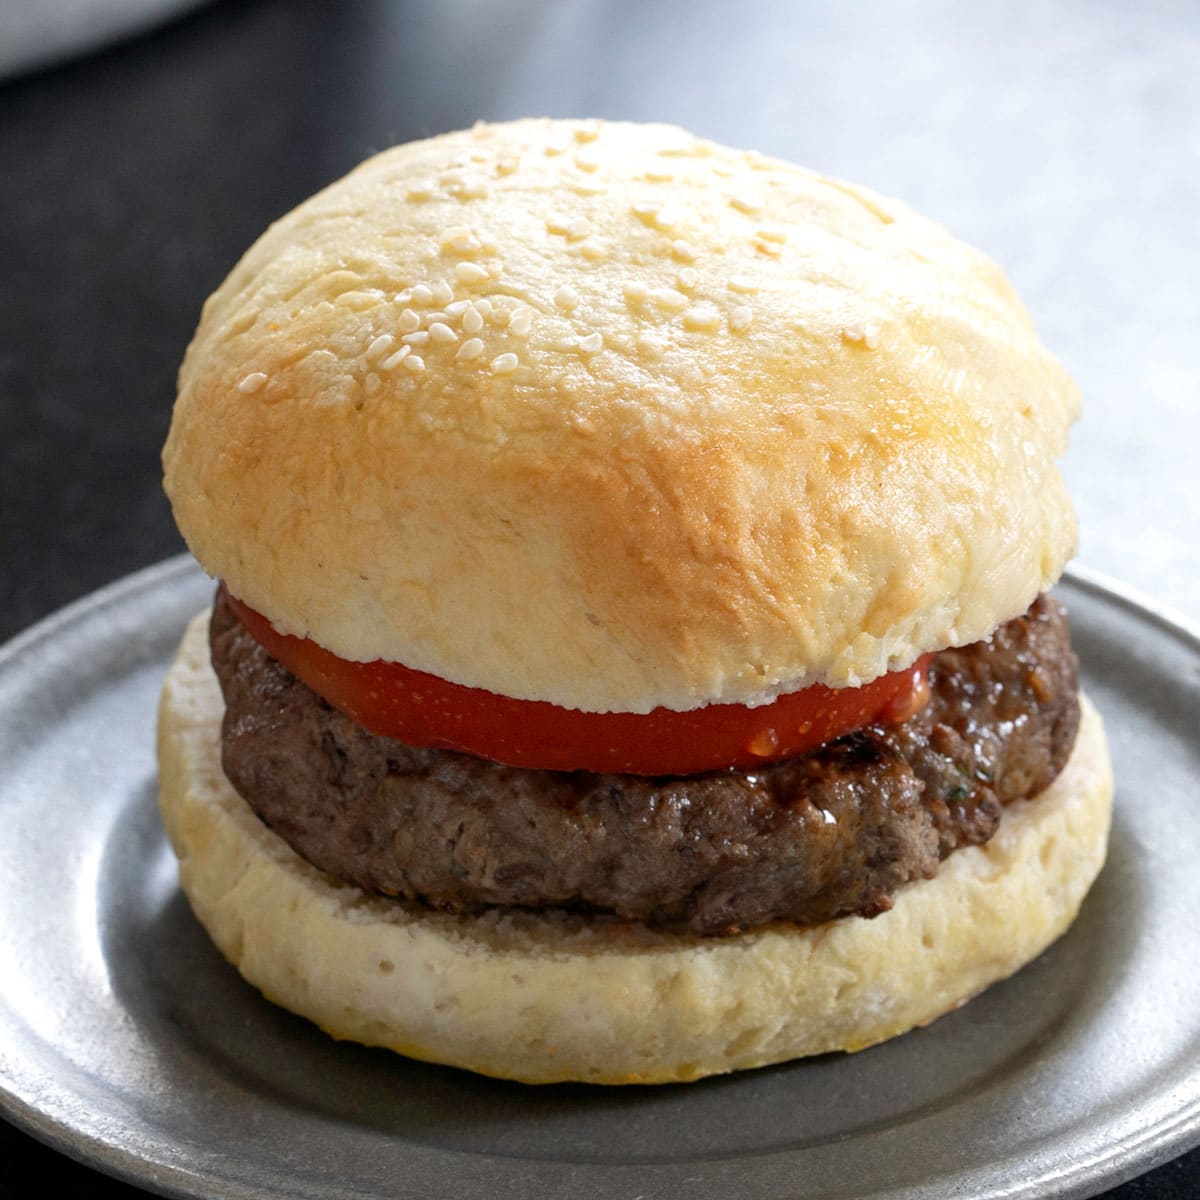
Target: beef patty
806	840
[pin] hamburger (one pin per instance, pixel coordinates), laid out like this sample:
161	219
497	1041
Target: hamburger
631	657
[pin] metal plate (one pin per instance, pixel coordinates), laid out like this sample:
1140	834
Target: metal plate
127	1042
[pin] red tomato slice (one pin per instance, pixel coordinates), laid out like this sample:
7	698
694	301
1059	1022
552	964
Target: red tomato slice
423	710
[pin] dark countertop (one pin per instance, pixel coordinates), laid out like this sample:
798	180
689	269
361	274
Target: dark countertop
130	181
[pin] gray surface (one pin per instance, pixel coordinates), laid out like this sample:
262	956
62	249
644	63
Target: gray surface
125	1040
36	33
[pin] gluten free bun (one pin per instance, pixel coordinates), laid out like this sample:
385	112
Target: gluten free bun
635	420
549	997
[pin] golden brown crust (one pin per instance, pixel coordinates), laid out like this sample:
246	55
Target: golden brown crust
543	998
755	428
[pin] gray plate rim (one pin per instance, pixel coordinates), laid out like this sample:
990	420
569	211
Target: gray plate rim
1138	1153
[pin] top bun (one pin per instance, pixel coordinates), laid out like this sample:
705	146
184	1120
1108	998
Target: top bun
614	417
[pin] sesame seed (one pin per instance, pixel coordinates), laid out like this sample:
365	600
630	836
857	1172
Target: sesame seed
466	186
408	321
684	250
741	283
507	165
591	343
252	383
660	175
635	292
669	299
588	187
746	202
415	339
423	189
359	299
702	317
484	307
403	297
471	348
771	248
379	347
862	331
394	360
443	293
422	294
520	324
668	219
594	250
414	362
587	162
502	364
645	212
740	318
453	233
472	320
557	224
467	272
688	278
566	297
772	234
578	228
587	133
440	332
458	308
437	316
461	241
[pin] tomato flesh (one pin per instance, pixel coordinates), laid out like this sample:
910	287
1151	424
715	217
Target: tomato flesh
424	710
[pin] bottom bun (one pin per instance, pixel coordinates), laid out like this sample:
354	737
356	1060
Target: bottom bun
548	997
